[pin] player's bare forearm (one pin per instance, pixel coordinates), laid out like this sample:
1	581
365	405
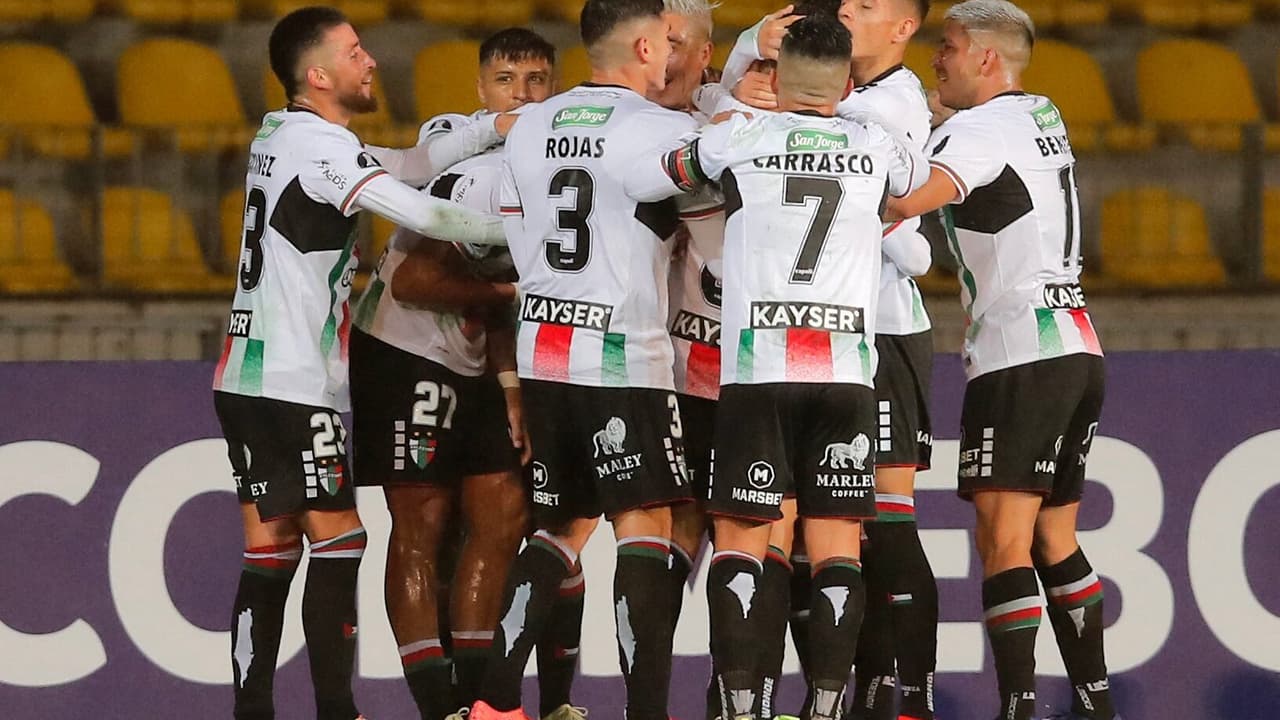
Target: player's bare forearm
939	190
500	337
433	278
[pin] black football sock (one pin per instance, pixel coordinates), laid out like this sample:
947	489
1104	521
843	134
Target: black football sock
875	676
329	621
801	589
558	647
642	606
532	589
471	650
835	617
773	601
1011	606
678	575
257	621
430	676
1075	611
733	582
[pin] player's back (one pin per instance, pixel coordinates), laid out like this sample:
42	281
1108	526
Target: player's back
1015	231
290	320
803	199
592	261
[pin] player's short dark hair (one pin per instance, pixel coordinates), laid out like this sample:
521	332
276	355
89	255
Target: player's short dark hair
517	44
818	7
818	37
600	17
922	8
294	35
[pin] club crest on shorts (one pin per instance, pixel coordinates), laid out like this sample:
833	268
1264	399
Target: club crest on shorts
327	475
609	440
760	475
422	449
853	454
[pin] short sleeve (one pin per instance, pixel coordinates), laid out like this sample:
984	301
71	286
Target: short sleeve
509	205
337	168
477	188
970	157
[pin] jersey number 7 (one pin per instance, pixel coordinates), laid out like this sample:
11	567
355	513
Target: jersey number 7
797	190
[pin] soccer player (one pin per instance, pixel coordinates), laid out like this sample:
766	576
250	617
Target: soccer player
1004	171
281	381
594	358
431	419
803	193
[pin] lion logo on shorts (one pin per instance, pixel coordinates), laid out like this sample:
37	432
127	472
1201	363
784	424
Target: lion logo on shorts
609	440
840	456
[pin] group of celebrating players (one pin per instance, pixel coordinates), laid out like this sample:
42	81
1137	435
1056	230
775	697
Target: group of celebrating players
652	217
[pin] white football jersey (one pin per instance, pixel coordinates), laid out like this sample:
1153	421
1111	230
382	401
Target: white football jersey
593	263
1015	231
437	336
290	321
897	101
804	196
695	299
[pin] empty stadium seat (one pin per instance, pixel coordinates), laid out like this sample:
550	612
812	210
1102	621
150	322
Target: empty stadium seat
376	128
62	11
565	10
1082	12
1271	234
446	12
507	13
359	12
1074	81
54	117
150	245
29	257
444	78
575	68
1186	14
937	10
744	13
175	11
182	87
1155	238
1201	89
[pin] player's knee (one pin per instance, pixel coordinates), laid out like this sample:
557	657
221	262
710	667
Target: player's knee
1052	545
1004	545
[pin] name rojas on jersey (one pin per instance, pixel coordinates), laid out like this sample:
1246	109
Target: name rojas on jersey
290	321
803	199
897	102
444	338
1015	231
592	262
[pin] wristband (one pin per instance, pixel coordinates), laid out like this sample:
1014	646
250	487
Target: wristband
509	379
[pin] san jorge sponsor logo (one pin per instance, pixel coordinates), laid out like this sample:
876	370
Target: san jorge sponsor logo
581	116
816	141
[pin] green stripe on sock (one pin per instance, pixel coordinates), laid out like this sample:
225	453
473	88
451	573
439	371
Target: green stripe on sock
644	550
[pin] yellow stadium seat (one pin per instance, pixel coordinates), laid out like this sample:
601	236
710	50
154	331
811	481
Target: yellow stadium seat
150	245
565	10
575	68
937	10
1044	13
375	128
1200	88
447	12
380	230
744	13
1155	238
1187	14
64	11
1074	81
29	257
919	60
1271	234
1082	12
359	12
54	117
444	78
175	11
182	87
507	13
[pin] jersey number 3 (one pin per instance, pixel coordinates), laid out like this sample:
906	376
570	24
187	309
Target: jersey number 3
571	256
255	226
797	190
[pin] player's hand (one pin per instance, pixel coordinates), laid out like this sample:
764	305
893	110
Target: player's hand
503	123
711	75
756	89
515	424
941	113
769	41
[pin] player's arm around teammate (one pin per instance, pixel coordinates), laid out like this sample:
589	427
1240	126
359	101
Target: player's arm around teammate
1022	454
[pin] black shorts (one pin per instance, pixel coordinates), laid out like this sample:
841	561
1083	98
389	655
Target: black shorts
417	421
1028	428
905	436
286	458
813	441
698	416
602	450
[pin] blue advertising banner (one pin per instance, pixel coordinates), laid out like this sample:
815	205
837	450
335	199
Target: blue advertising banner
122	549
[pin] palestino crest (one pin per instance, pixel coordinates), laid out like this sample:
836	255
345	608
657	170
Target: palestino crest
840	456
422	450
609	440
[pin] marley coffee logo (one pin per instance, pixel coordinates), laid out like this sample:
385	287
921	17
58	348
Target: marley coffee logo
581	116
1047	117
816	141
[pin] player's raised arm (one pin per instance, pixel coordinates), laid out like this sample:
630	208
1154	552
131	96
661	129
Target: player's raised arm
683	166
443	142
432	217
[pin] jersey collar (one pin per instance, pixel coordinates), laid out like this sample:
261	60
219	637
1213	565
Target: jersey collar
880	77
